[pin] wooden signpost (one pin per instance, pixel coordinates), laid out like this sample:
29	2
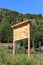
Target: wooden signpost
21	31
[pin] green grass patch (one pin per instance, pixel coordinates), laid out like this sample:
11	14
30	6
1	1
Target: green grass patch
19	59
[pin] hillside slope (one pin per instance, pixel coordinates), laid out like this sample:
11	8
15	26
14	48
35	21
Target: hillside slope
9	17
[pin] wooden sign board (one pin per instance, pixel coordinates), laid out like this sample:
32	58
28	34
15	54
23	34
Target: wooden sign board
21	31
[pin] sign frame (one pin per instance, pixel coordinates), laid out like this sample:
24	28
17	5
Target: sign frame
19	33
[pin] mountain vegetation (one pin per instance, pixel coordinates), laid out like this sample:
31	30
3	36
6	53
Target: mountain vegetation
9	17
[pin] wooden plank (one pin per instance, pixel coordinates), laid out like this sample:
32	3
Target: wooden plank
21	33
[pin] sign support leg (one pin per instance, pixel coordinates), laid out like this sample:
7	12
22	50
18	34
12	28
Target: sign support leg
28	47
28	40
14	53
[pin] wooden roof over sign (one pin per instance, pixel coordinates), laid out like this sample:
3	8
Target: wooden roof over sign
20	24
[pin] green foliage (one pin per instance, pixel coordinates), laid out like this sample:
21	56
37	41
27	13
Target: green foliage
36	31
20	59
6	31
8	18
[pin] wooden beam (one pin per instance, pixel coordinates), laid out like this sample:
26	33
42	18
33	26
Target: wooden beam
28	40
14	45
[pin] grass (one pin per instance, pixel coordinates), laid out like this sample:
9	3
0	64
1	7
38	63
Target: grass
7	58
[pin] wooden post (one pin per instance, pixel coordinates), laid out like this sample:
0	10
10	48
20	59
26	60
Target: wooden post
39	46
28	40
14	45
14	48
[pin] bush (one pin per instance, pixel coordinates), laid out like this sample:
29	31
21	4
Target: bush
10	47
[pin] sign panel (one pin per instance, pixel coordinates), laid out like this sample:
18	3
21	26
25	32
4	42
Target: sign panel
21	33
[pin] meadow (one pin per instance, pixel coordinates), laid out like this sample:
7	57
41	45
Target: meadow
7	58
